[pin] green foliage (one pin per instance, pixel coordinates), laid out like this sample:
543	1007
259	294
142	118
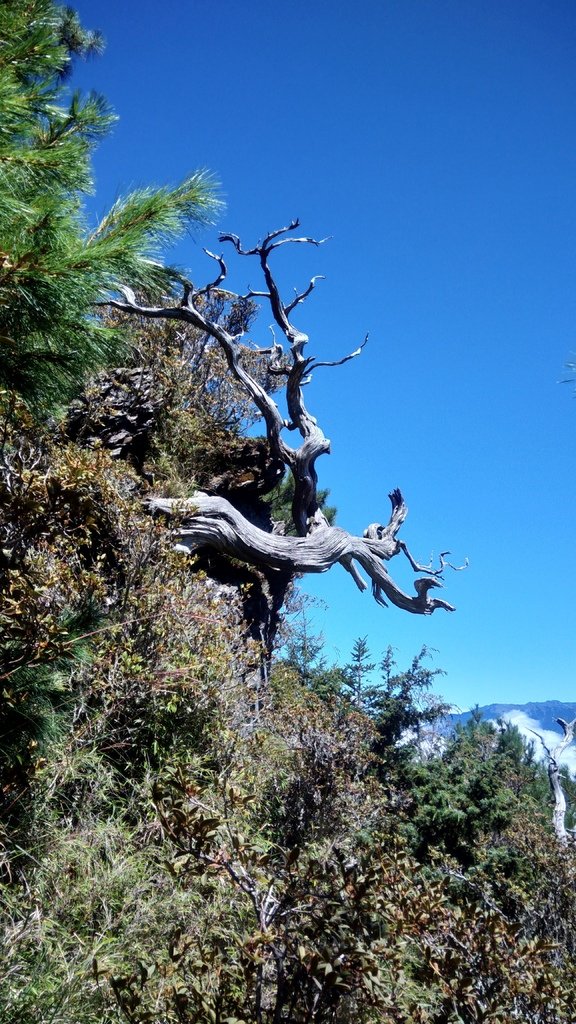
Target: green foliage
176	851
189	859
179	844
52	269
404	709
77	40
303	659
358	673
281	505
60	516
304	933
468	798
36	699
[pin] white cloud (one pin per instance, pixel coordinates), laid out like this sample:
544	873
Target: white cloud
528	726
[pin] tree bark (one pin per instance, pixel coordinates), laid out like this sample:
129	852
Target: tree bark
209	521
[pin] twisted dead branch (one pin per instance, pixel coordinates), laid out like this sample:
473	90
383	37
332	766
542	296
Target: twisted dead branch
214	522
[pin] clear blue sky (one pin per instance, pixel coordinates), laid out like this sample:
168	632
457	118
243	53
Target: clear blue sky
435	141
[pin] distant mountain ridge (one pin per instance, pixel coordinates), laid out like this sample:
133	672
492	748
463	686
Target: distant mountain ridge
544	712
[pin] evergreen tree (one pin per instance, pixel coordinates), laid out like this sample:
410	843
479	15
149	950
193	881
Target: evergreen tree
404	704
304	658
357	675
52	268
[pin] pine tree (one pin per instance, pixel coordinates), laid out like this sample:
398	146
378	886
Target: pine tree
52	268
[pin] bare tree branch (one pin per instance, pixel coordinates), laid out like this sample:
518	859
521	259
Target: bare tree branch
214	522
340	362
303	295
221	276
208	520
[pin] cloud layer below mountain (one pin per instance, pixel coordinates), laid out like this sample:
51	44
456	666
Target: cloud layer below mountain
529	726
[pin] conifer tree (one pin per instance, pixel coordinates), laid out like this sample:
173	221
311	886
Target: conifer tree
52	268
357	674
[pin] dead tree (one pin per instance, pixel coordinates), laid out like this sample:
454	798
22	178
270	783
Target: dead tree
212	521
553	764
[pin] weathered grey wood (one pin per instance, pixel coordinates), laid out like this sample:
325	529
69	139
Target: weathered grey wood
206	520
213	521
553	766
559	812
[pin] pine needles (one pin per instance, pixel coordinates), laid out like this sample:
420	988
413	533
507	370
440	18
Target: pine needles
52	270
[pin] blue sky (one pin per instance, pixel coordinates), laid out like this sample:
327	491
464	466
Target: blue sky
434	140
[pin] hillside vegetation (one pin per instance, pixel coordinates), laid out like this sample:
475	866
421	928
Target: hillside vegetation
201	819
